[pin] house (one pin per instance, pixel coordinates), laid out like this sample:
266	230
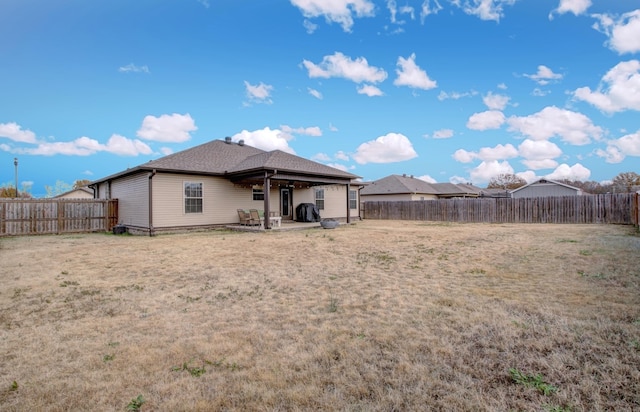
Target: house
495	193
83	192
396	187
545	188
204	186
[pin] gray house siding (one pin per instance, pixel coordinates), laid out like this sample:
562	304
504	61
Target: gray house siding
133	199
545	189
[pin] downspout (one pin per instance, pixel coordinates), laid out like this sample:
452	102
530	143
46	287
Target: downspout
151	231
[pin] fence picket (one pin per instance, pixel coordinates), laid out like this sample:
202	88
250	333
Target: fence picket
612	208
56	216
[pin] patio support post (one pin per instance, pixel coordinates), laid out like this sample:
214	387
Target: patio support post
266	190
348	204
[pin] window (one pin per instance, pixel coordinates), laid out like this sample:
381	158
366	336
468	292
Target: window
320	199
258	194
192	197
353	199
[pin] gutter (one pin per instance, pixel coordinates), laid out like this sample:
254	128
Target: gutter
151	230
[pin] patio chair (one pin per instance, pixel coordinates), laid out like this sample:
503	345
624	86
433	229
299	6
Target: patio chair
255	217
245	218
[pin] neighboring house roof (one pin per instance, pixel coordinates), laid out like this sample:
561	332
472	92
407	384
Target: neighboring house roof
396	184
227	158
543	180
79	191
495	193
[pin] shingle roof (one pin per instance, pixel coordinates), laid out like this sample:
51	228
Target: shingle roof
396	184
285	162
220	157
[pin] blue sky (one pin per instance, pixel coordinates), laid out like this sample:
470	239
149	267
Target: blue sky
446	90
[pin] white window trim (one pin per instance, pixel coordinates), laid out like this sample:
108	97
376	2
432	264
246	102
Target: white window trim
184	197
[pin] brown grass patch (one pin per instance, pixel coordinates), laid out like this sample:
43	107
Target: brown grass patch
380	315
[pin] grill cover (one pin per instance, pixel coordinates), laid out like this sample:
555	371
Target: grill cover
307	212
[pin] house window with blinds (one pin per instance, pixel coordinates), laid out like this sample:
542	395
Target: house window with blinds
353	199
320	199
192	197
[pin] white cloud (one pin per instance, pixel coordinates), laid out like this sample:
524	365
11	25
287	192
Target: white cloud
623	33
496	101
498	152
618	91
502	86
576	7
575	172
392	147
538	92
486	154
491	119
205	3
14	132
538	149
443	134
486	170
132	68
618	149
259	93
174	128
315	93
455	95
341	66
166	151
333	128
265	139
321	157
572	127
394	11
409	74
336	11
529	176
484	9
544	75
123	146
464	156
427	179
308	131
338	166
85	146
427	9
540	164
370	90
309	26
340	155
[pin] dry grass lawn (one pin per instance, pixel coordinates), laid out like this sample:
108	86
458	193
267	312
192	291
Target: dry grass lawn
376	316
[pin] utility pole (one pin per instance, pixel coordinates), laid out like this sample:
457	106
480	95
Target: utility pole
15	163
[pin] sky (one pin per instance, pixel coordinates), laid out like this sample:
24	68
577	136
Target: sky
444	90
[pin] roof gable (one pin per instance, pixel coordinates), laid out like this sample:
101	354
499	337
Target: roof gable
546	181
395	184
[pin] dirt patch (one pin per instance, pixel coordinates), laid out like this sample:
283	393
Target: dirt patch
379	315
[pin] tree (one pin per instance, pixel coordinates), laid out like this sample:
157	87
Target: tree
80	183
506	181
625	181
9	191
60	188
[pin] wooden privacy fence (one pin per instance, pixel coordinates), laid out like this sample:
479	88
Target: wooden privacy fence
609	208
56	216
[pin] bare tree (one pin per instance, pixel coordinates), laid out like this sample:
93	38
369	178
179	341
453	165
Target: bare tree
506	181
626	181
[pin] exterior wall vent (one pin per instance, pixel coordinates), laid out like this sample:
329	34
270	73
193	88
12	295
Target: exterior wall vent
227	140
241	143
